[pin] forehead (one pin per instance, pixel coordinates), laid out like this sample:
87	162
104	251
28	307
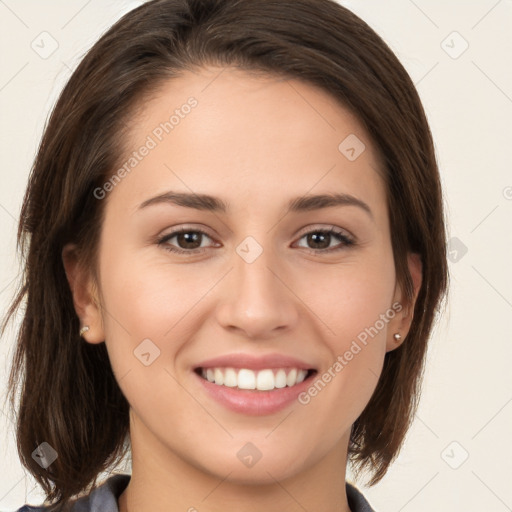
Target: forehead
227	132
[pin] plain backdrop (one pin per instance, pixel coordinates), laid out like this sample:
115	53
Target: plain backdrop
458	454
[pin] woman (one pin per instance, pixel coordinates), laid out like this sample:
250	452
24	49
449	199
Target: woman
235	253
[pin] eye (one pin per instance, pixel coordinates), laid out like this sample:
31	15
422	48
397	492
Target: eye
189	241
322	238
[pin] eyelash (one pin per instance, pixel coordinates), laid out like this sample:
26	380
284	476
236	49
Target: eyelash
346	241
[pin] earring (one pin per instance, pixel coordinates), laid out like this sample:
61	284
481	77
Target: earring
85	328
397	337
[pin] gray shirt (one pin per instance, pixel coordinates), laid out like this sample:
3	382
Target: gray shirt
104	498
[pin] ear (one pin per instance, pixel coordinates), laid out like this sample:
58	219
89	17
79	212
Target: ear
85	296
402	321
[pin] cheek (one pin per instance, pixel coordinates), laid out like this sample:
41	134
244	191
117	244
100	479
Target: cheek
146	297
349	297
143	301
355	306
147	310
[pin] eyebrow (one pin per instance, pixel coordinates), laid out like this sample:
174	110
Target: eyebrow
213	204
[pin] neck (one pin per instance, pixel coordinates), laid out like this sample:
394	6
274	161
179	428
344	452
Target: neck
163	481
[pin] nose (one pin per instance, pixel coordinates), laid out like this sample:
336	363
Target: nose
257	300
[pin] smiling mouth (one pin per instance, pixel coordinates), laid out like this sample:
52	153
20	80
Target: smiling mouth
258	380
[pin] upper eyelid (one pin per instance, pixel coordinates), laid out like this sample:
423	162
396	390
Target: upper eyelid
186	229
308	229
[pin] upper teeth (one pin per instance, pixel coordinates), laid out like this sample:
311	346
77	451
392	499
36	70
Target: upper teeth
248	379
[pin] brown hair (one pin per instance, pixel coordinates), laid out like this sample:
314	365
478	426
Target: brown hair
70	398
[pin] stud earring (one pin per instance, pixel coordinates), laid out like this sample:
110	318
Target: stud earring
397	337
85	328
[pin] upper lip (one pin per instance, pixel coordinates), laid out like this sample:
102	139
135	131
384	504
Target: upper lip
255	362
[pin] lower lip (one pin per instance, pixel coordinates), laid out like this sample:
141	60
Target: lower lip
253	402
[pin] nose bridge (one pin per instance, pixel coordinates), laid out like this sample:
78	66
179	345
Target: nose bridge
257	301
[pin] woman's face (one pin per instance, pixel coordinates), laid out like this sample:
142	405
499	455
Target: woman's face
266	286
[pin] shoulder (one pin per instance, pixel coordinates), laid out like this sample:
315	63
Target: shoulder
103	498
356	501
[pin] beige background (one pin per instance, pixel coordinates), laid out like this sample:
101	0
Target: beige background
466	407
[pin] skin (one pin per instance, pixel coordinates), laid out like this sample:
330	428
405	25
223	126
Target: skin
255	142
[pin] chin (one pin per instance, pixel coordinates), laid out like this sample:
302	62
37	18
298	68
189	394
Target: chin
264	471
